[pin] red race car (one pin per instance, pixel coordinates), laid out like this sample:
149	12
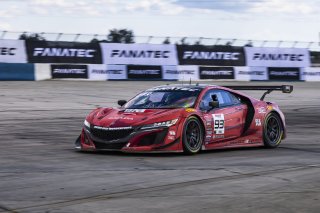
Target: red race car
186	118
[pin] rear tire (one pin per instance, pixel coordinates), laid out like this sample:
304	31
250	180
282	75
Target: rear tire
273	131
192	137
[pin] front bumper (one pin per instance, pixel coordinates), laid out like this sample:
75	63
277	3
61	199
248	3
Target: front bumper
133	140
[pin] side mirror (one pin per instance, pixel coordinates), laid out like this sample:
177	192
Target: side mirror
214	104
122	102
287	88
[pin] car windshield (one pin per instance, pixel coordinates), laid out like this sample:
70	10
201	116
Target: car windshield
163	99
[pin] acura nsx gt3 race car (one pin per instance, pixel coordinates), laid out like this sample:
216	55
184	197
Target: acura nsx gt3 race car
186	118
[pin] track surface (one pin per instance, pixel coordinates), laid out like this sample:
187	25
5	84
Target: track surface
40	171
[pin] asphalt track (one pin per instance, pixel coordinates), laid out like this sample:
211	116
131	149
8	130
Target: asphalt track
40	171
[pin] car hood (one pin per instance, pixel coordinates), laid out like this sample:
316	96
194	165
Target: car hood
114	117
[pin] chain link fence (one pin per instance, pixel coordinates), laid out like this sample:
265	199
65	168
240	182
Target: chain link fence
315	46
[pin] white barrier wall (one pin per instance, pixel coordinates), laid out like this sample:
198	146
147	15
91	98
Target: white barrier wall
42	72
113	61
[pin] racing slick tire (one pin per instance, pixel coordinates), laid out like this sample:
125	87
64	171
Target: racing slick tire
273	131
192	137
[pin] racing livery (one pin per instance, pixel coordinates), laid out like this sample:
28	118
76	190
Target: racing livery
186	118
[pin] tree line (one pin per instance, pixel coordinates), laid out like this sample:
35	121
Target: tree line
115	36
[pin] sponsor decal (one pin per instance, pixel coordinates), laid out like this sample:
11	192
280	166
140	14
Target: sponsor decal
277	57
218	136
120	118
134	110
207	118
12	51
171	137
112	128
144	72
258	122
172	132
63	52
69	71
190	110
216	72
139	54
282	73
218	121
175	89
211	55
245	141
262	110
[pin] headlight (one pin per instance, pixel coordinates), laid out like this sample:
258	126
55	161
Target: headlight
86	123
160	124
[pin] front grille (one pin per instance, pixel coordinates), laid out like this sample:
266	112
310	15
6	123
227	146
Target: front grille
109	135
113	146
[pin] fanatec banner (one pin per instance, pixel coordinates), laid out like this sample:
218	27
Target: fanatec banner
284	73
69	71
251	73
107	72
211	55
277	57
13	51
63	52
139	54
216	72
182	73
141	72
310	74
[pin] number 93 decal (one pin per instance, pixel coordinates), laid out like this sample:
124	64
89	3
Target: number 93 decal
218	121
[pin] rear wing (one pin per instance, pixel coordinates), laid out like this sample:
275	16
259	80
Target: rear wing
269	89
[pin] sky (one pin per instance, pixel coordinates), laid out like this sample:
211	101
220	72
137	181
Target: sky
292	20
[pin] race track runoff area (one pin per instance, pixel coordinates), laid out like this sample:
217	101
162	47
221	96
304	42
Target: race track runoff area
40	171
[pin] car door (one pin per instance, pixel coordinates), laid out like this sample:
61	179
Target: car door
227	120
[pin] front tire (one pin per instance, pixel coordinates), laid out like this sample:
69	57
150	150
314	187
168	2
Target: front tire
273	131
192	138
